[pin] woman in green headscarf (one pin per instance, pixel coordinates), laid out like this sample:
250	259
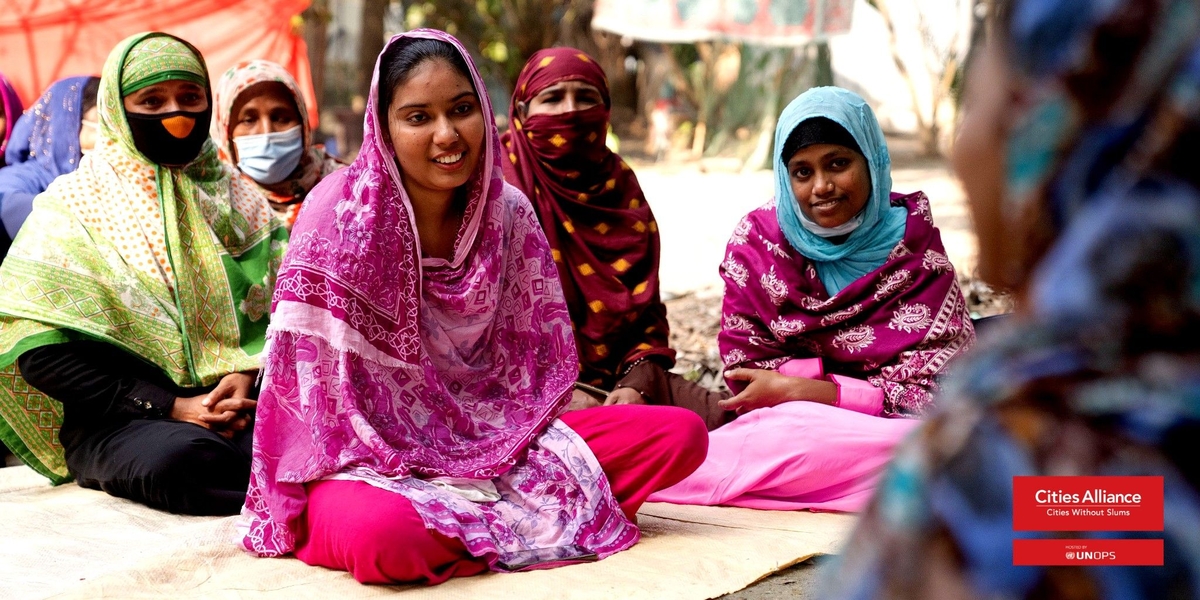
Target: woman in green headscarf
133	304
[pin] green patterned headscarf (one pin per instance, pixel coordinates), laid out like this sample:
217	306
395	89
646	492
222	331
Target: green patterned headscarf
155	59
173	264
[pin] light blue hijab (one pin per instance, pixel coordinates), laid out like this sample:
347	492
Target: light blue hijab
867	248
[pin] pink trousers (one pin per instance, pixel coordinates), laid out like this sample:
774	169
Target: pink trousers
797	455
353	526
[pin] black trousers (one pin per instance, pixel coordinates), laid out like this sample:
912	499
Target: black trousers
170	465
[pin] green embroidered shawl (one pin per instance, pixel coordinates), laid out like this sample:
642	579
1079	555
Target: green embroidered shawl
175	265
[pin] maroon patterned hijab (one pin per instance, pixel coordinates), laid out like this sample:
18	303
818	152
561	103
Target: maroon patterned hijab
895	327
602	234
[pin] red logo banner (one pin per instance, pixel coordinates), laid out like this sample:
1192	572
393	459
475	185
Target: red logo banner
1088	504
1059	552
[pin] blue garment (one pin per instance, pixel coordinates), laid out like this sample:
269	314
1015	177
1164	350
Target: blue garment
45	145
867	247
17	149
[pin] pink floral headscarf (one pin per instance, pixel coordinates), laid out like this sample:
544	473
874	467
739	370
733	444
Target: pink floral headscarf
402	366
285	196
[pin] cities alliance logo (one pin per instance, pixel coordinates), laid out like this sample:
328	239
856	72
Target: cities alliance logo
1073	504
1092	503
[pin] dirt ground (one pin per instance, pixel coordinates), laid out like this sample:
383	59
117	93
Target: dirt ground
800	582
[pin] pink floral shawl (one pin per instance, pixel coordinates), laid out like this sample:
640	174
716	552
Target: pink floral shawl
393	369
895	327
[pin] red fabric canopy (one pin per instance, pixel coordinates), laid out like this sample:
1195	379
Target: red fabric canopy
42	41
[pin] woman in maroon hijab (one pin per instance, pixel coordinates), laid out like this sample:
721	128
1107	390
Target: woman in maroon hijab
602	234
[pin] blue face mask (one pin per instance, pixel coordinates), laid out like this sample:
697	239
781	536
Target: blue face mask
270	157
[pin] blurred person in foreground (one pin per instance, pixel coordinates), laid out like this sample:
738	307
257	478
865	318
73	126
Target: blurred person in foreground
1078	154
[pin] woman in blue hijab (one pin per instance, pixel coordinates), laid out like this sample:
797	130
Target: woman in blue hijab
846	251
47	141
841	310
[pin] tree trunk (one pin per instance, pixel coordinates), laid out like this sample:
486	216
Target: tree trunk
371	42
762	155
924	131
824	65
316	21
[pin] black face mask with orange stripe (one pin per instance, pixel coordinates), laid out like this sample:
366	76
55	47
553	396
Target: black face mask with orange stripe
171	139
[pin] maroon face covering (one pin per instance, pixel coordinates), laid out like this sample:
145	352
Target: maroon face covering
603	235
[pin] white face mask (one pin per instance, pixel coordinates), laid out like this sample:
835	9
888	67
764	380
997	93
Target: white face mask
828	232
270	157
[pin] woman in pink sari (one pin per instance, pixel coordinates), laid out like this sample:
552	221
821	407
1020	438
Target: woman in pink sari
410	426
841	309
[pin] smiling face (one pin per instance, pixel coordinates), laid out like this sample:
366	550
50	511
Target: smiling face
168	96
563	97
832	183
436	127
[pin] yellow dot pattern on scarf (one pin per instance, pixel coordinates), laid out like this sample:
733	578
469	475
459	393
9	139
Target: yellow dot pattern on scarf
117	195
